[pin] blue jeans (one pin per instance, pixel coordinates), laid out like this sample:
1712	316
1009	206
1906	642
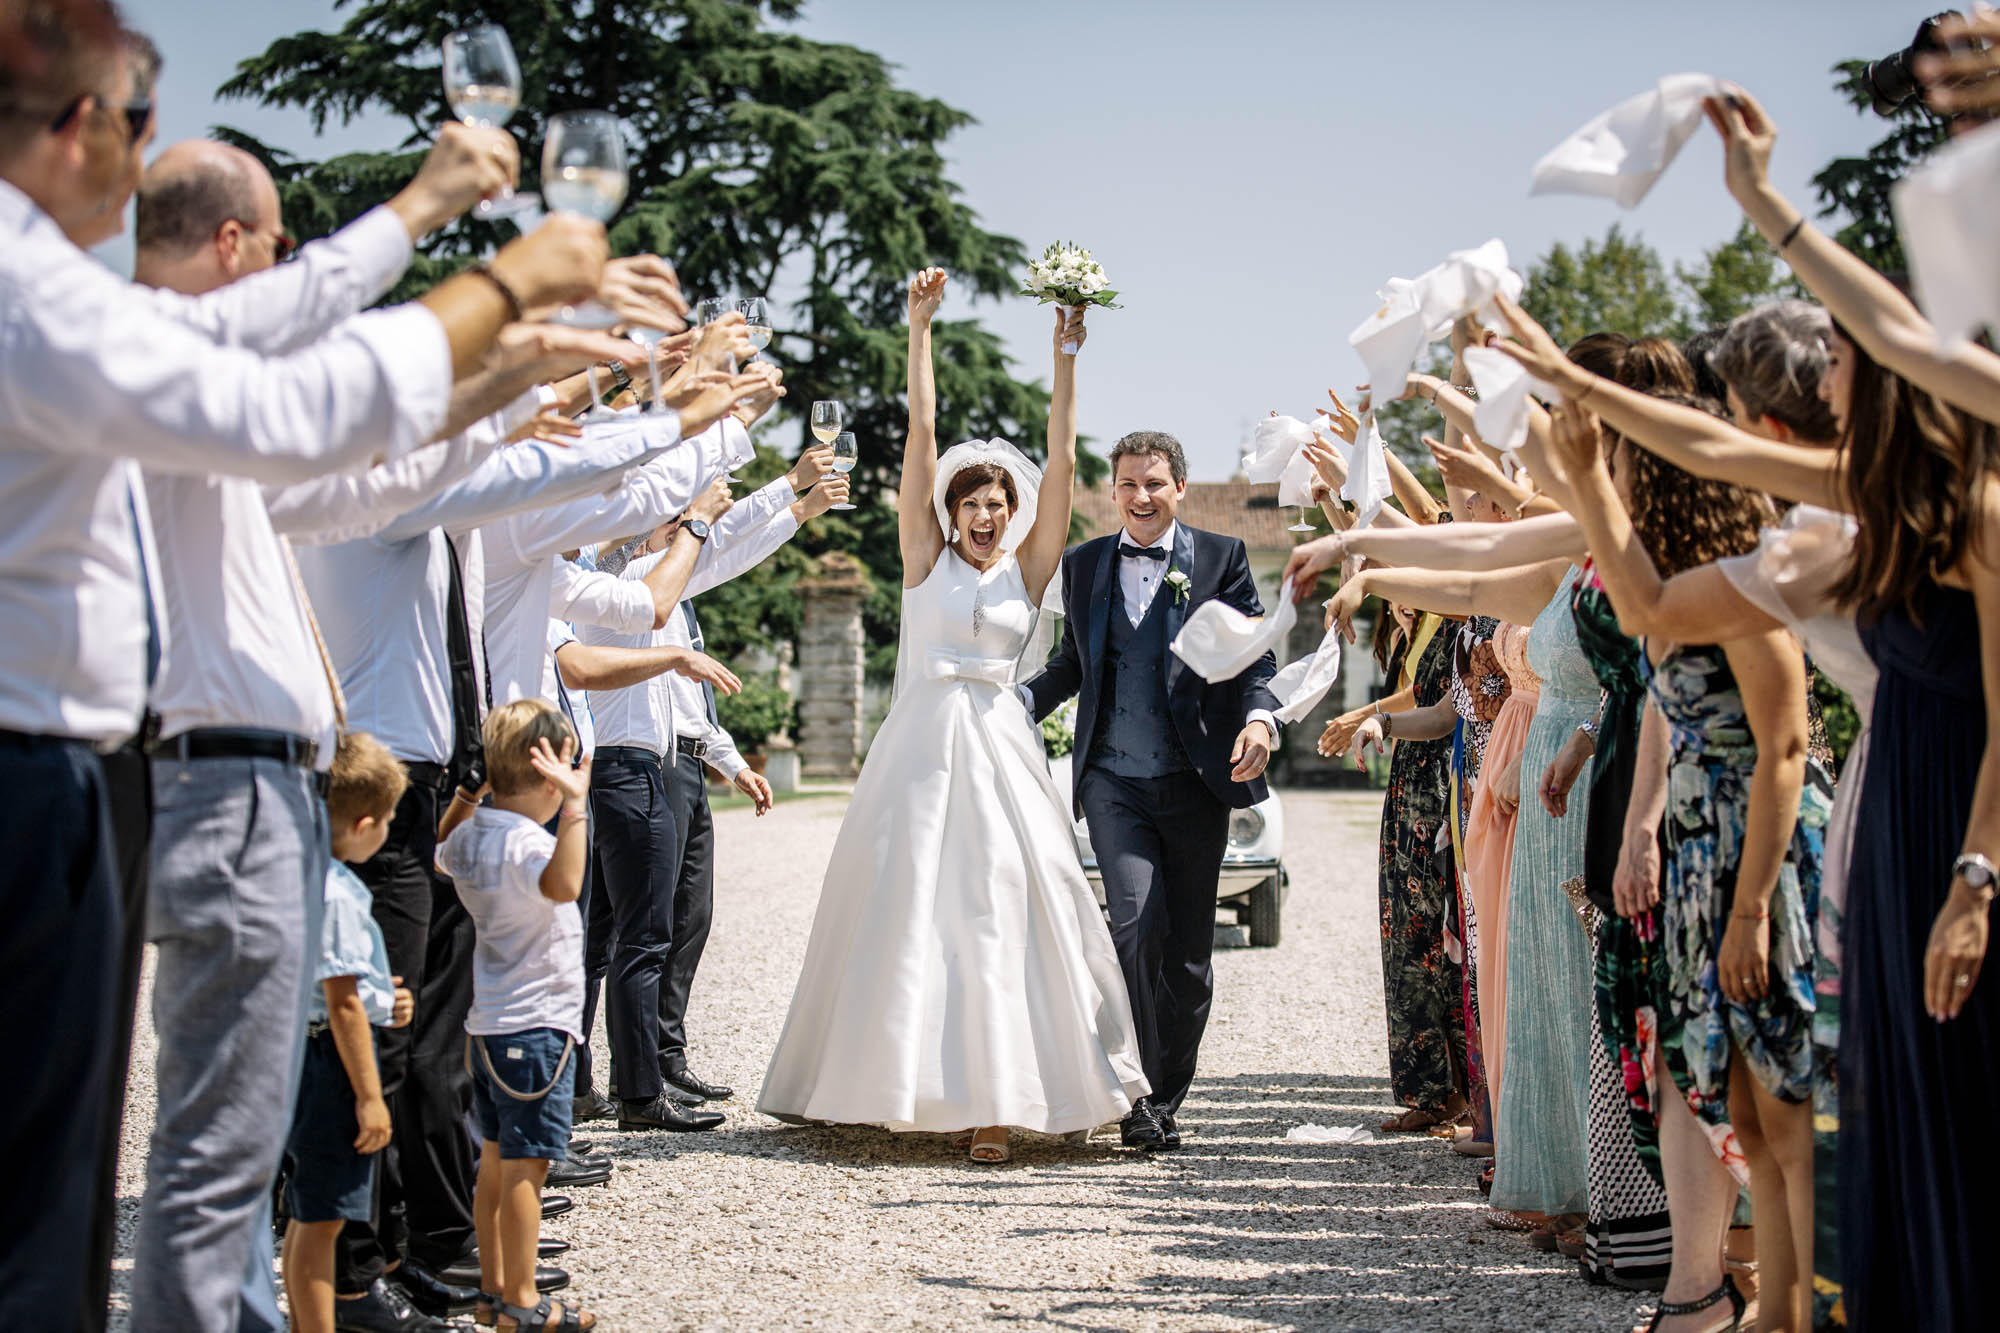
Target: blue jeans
239	872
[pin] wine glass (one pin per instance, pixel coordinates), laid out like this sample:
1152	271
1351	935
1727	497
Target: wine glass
482	82
650	339
757	317
711	308
845	454
583	171
1302	525
826	416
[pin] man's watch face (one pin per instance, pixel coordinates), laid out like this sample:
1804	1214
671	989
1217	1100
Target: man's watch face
698	528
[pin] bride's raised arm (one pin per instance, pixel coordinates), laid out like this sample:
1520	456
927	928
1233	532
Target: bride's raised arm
1041	551
917	525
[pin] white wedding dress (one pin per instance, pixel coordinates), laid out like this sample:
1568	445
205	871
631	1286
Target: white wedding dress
959	972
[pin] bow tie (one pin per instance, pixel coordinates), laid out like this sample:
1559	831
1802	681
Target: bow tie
1142	552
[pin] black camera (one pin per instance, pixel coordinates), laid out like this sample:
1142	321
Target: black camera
1891	81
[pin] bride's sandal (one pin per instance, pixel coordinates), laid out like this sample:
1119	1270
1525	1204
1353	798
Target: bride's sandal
1726	1291
991	1151
962	1141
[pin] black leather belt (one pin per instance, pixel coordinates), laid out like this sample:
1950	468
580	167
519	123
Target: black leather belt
691	747
238	743
627	754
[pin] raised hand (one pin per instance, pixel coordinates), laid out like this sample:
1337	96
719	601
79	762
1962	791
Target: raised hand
1327	462
1468	469
1342	606
753	784
833	491
1577	441
573	783
1342	420
1748	136
548	426
713	502
643	290
1339	733
560	262
702	667
752	409
1069	329
1532	346
702	399
1967	77
727	336
545	352
815	463
926	295
1311	559
465	164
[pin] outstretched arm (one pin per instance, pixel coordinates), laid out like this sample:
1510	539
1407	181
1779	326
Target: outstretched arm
1513	595
916	522
1043	548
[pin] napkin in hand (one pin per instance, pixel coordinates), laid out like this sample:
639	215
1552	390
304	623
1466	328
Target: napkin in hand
1218	641
1623	151
1300	685
1464	284
1945	210
1501	417
1368	487
1276	442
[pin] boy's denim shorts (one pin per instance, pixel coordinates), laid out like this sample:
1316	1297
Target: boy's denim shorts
536	1065
328	1180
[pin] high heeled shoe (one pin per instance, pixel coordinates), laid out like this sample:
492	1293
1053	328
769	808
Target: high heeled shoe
1726	1291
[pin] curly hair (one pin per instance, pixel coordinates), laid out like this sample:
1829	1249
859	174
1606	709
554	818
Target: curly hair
1683	520
1914	467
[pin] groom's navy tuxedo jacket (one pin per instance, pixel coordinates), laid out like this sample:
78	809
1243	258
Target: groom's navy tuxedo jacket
1206	717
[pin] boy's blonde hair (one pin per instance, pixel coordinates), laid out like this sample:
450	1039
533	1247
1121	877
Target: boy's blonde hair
510	736
367	781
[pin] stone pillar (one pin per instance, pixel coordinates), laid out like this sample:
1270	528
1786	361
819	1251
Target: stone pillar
832	659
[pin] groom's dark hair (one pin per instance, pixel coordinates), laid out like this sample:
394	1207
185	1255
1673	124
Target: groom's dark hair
1141	443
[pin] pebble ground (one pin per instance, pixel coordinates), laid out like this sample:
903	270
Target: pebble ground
762	1226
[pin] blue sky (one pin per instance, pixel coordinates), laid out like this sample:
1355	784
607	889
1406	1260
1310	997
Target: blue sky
1247	173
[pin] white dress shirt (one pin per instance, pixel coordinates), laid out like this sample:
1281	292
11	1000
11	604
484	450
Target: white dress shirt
642	716
690	706
561	635
94	369
519	572
579	596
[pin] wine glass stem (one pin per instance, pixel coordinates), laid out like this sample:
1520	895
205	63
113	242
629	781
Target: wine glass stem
596	399
653	369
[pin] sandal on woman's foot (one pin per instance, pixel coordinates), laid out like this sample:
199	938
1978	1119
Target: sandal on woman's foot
544	1319
1726	1291
1466	1145
962	1141
486	1309
991	1151
1548	1236
1413	1121
1507	1219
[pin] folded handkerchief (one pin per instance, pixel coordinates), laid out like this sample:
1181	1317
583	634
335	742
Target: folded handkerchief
1464	284
1504	385
1623	151
1300	685
1945	210
1218	641
1367	487
1277	441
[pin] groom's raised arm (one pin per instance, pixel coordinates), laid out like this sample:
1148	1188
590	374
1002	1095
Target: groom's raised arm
1062	676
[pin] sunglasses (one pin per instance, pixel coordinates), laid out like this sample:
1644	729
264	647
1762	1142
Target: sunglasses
138	115
283	247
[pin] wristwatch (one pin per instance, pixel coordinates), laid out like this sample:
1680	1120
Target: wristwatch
696	528
621	379
1976	871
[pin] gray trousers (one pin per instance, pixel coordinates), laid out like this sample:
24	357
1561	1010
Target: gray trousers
239	872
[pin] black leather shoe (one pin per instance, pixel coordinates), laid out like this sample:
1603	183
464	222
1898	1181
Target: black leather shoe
547	1277
593	1105
433	1292
554	1204
578	1172
549	1249
1170	1132
1141	1127
664	1112
581	1147
679	1079
383	1309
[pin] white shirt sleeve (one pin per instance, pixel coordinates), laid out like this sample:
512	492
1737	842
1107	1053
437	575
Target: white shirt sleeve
723	756
590	597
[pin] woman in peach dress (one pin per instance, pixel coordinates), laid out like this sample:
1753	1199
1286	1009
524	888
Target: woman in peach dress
1489	849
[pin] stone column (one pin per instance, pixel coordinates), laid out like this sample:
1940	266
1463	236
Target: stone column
832	658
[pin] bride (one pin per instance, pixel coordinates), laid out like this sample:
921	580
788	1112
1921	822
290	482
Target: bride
959	976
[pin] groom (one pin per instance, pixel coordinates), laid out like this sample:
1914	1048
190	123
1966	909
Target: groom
1161	756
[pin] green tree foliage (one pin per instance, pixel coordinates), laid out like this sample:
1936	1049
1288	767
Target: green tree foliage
1857	188
761	162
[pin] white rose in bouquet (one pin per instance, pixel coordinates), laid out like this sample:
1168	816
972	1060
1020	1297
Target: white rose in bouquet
1067	275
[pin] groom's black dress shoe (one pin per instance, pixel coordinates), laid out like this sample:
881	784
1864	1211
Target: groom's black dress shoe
681	1080
1142	1129
664	1112
1170	1131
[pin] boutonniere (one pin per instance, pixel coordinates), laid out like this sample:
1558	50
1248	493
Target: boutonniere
1178	580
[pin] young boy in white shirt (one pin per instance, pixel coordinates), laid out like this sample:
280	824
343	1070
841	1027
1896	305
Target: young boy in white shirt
341	1121
519	885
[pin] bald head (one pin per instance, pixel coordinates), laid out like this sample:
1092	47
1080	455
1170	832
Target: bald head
193	188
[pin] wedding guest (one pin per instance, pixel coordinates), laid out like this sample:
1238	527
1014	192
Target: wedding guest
519	884
341	1123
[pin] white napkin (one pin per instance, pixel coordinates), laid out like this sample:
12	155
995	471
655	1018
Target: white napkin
1945	210
1368	487
1501	417
1464	284
1329	1134
1300	685
1218	641
1276	442
1388	340
1295	483
1622	152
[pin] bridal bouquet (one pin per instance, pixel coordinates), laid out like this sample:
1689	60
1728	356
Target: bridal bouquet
1067	274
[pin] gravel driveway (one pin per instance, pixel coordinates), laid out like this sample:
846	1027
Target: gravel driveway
759	1226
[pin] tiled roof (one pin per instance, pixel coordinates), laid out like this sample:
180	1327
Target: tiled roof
1236	508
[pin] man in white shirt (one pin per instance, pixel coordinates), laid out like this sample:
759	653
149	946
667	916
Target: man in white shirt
633	836
93	371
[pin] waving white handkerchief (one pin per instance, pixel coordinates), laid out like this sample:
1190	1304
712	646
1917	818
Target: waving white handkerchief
1623	151
1300	685
1504	385
1218	641
1367	487
1276	442
1388	340
1295	483
1945	211
1464	284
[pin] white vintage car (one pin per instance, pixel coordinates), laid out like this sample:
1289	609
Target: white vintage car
1254	881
